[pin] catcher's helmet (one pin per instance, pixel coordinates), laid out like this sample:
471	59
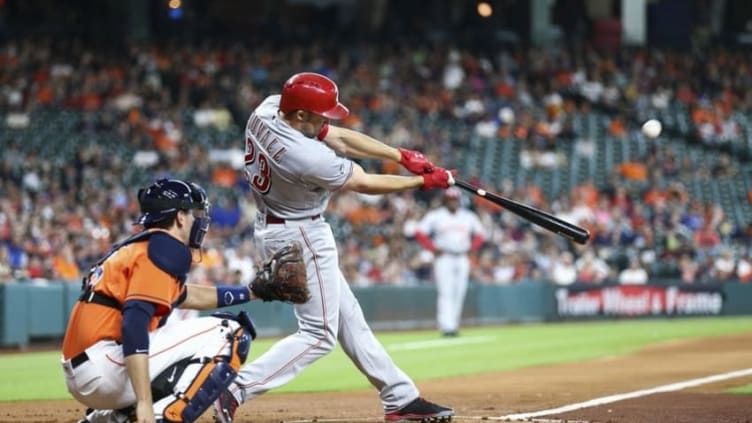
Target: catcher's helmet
165	197
314	93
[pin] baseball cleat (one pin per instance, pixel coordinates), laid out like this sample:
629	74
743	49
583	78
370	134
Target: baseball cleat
420	410
224	407
123	415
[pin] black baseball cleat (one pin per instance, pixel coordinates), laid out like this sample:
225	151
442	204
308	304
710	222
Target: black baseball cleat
224	407
420	410
85	419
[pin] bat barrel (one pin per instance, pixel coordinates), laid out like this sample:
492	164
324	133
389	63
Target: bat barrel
539	217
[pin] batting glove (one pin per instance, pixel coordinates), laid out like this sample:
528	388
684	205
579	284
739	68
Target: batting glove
439	178
415	162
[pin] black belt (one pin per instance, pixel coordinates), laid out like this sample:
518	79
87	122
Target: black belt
271	219
79	360
97	298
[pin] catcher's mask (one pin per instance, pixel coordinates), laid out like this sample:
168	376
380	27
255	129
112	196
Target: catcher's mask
165	197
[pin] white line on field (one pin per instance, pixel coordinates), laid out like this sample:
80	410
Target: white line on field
454	419
344	420
419	345
629	395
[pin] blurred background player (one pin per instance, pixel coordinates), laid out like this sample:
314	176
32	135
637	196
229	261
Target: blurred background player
118	355
450	232
294	162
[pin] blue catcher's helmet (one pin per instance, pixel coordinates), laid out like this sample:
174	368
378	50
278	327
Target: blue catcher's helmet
163	199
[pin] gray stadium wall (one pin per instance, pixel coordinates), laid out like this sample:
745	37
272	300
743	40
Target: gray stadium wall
31	312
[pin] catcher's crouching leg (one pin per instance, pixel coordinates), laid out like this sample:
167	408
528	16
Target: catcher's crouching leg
206	378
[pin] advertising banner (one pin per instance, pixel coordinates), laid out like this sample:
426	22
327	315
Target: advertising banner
638	300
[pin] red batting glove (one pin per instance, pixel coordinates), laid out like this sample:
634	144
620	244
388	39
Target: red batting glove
439	178
415	162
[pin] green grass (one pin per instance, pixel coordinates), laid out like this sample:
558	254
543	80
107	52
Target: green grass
423	355
745	389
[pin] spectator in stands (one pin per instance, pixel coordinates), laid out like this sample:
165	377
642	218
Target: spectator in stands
591	268
688	269
744	268
635	274
724	266
564	270
182	103
6	273
64	265
505	271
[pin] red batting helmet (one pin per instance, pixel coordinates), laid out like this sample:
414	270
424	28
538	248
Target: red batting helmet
314	93
452	193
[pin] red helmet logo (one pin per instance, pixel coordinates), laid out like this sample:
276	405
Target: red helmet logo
314	93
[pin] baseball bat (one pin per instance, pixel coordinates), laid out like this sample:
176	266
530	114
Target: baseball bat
539	217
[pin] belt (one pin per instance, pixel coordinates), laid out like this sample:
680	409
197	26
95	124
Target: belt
271	219
79	360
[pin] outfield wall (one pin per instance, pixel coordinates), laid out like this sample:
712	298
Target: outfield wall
30	312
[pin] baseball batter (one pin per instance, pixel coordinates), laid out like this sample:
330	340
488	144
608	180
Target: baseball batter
294	162
450	232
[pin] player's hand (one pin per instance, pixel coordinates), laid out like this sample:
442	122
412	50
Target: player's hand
439	178
145	412
415	162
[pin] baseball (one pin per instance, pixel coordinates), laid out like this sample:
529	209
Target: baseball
652	128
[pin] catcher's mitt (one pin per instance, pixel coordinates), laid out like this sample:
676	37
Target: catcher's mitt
283	276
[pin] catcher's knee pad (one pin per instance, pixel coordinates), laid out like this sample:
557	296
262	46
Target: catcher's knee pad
240	344
240	339
213	378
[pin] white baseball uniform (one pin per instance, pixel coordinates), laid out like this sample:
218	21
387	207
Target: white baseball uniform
452	236
102	380
293	177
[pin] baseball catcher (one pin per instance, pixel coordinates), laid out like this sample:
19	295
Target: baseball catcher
283	277
113	348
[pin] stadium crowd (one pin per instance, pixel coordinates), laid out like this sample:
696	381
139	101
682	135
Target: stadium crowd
121	119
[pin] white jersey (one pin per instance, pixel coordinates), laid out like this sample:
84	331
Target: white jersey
451	232
292	176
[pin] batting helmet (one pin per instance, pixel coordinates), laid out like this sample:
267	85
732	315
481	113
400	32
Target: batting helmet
314	93
452	193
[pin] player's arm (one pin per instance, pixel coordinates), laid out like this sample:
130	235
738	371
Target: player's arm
371	183
200	297
478	237
138	371
425	227
354	144
135	337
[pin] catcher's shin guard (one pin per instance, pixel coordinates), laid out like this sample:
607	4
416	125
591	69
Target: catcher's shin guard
208	383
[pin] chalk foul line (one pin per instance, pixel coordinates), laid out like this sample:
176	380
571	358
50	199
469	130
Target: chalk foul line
433	343
533	416
678	386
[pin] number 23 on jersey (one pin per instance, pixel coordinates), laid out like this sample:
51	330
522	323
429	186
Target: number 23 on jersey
258	173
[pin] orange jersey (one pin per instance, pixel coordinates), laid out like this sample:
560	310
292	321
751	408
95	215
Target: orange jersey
127	274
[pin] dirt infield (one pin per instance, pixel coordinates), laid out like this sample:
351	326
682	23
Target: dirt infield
526	390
